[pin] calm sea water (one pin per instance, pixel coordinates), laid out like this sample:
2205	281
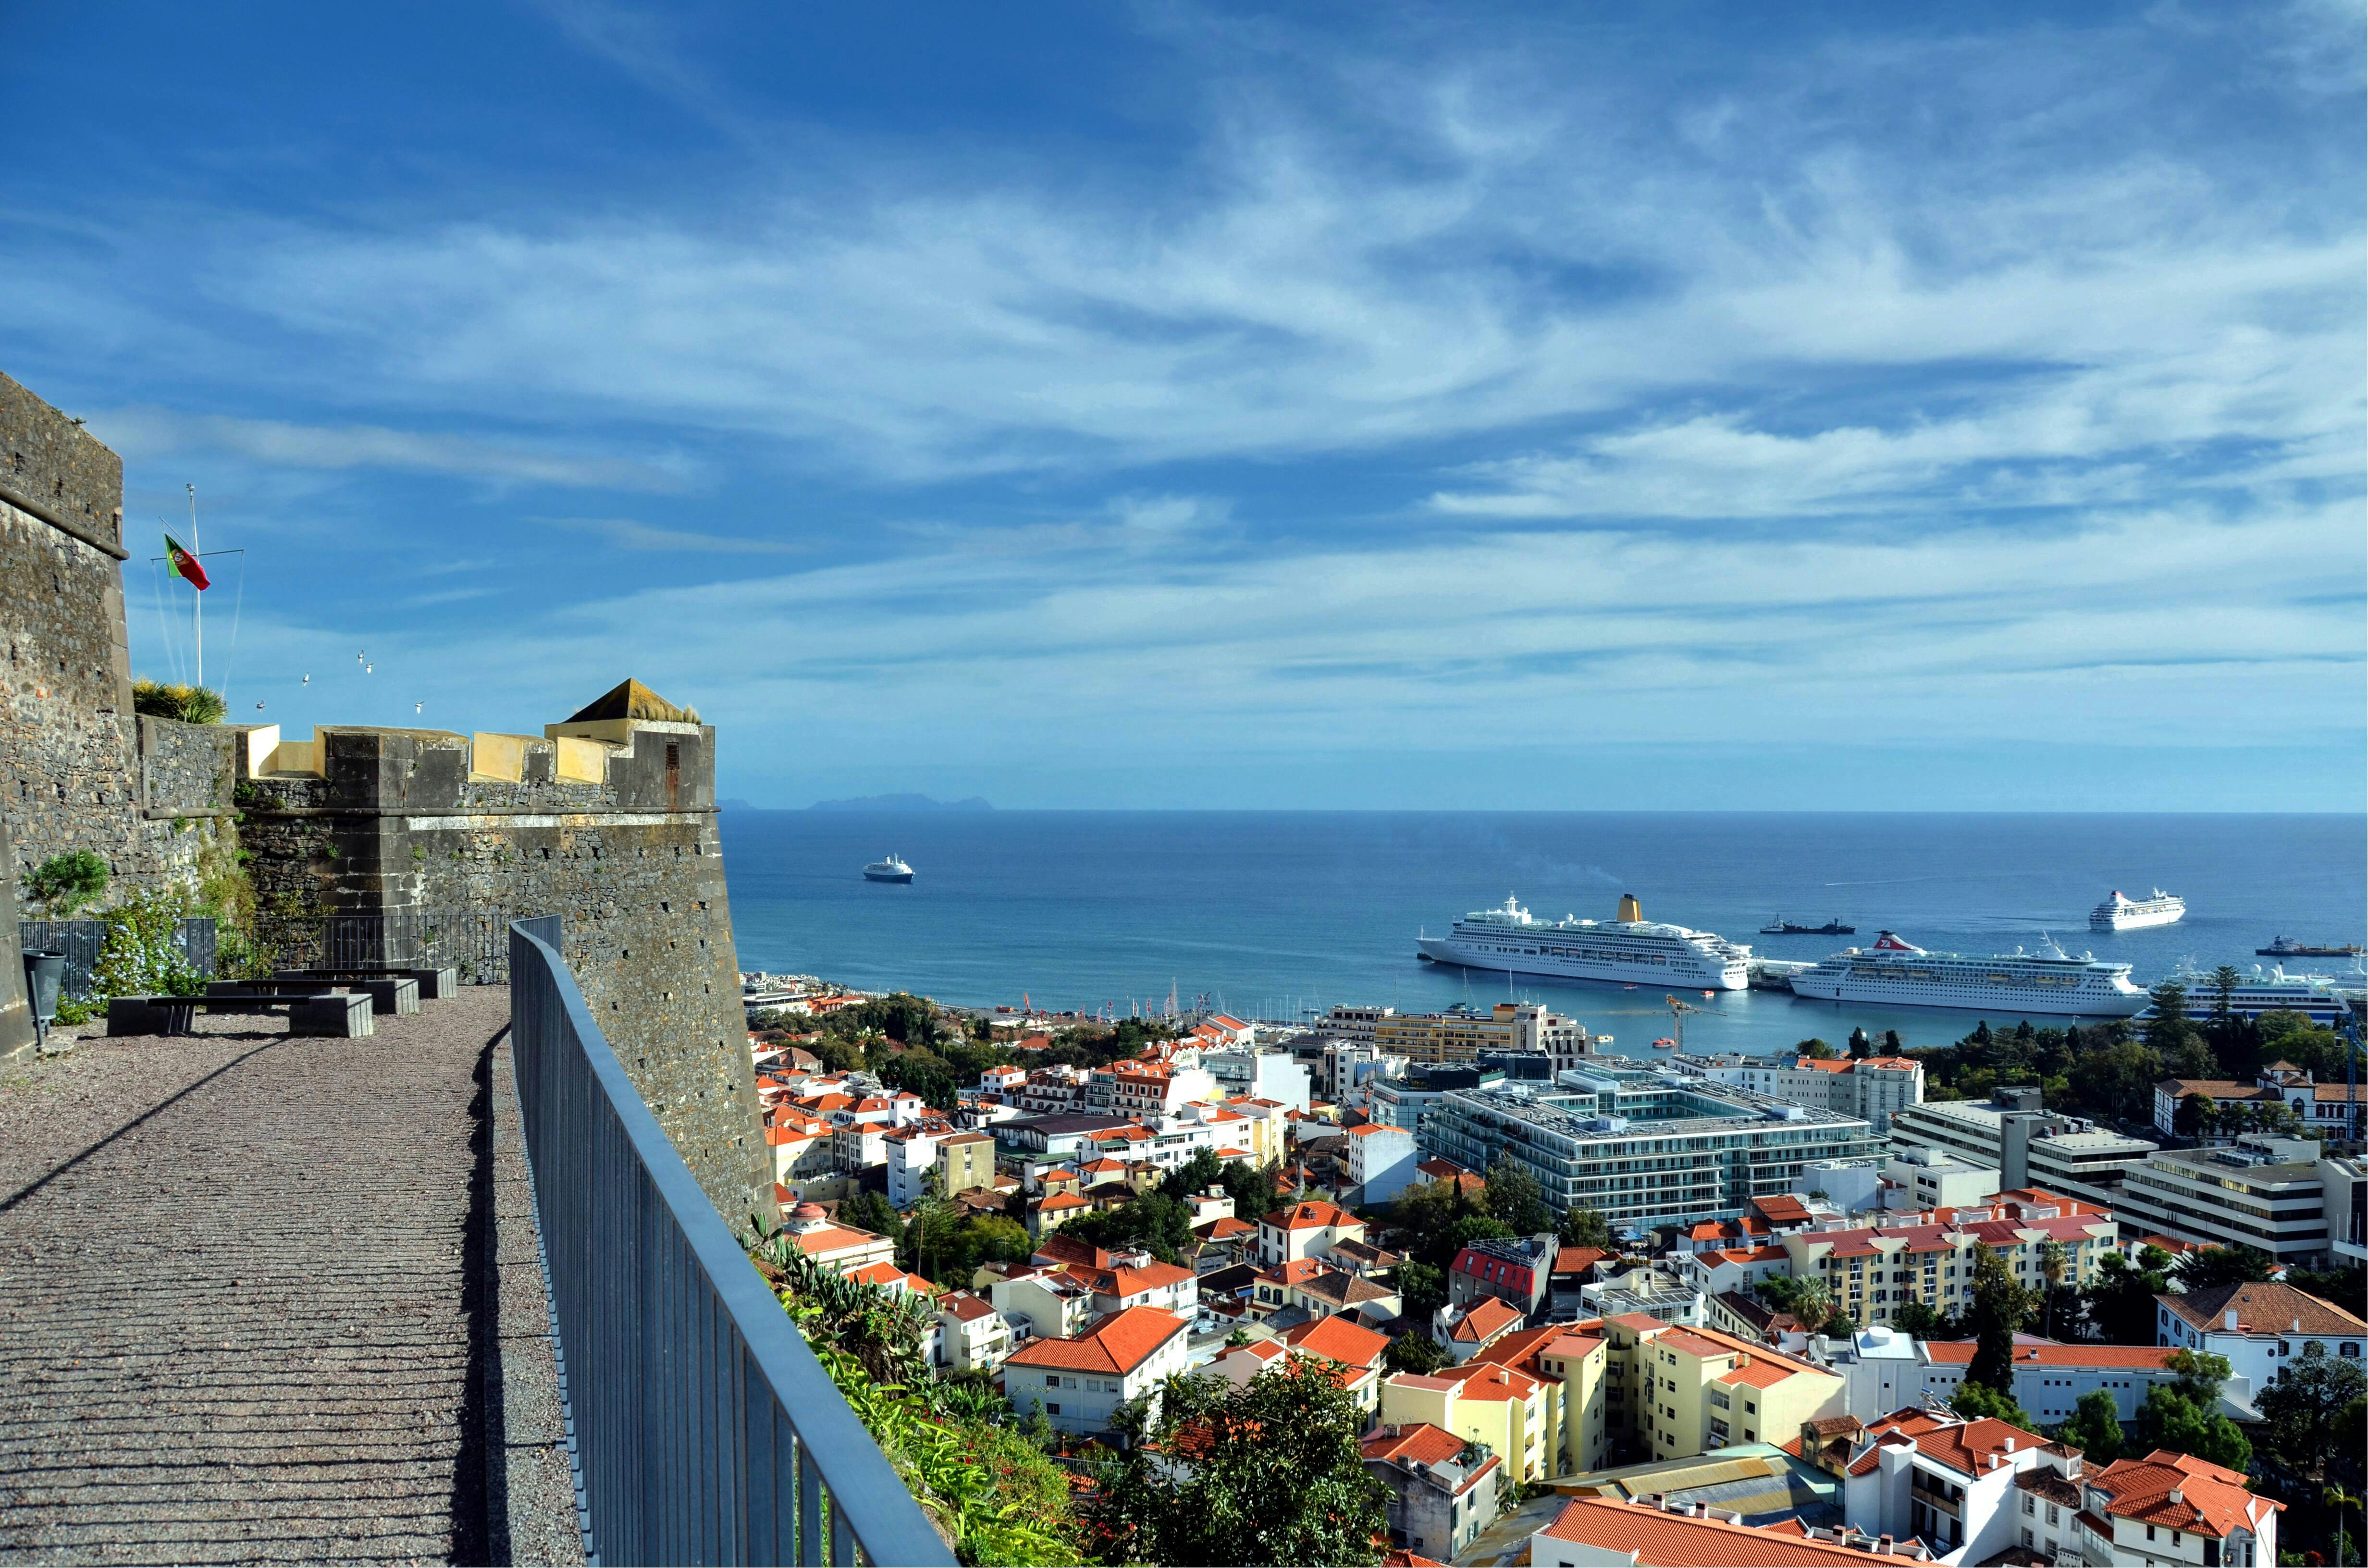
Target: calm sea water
1278	913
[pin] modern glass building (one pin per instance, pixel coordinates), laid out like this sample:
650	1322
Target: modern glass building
1643	1146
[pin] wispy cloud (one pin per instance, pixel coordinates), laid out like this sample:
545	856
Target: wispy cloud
627	534
141	433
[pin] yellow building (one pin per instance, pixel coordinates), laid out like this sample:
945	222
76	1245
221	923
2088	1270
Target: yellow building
1704	1390
1480	1401
1871	1272
1573	1363
1443	1037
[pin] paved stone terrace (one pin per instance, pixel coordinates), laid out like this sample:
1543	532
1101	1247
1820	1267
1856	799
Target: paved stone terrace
252	1307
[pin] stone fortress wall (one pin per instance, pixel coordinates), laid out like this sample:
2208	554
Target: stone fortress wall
607	820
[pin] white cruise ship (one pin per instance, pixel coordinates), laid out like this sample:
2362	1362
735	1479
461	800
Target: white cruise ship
2118	913
2011	983
1630	949
2323	999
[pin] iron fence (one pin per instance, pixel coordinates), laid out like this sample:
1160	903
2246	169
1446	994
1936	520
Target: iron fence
702	1427
83	941
474	941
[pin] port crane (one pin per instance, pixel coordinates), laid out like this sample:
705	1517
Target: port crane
1677	1011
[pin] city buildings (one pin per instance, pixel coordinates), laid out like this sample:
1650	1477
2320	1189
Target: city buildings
1950	1481
2259	1328
1884	1371
1589	1532
1079	1383
1703	1389
1382	1160
1645	1146
1480	1401
1306	1230
1871	1088
1249	1074
1442	1488
2270	1193
2172	1507
1517	1270
2027	1146
1935	1179
1870	1272
840	1247
957	1162
971	1336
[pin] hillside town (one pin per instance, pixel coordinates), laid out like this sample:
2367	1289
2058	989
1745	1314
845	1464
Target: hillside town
1578	1308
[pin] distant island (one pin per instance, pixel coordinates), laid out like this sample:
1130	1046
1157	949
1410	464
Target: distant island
903	803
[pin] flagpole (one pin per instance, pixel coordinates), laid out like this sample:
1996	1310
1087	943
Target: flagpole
197	544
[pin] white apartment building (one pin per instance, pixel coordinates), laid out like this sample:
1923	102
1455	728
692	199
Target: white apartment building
971	1336
1872	1088
1382	1160
1947	1480
1934	1178
1884	1371
2259	1328
2027	1146
1253	1073
1079	1383
2173	1509
2264	1192
1151	1089
1042	1303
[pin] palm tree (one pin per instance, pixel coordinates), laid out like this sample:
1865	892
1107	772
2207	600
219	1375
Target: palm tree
2053	1263
2337	1498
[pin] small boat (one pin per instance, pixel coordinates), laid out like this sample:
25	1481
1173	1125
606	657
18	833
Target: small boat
2287	947
1630	986
1665	1045
1780	926
1708	994
888	869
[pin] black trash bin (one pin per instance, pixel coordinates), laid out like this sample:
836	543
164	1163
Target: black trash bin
45	976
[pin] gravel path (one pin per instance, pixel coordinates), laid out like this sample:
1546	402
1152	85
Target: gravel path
242	1322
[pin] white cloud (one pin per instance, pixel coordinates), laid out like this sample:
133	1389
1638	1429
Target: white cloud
141	433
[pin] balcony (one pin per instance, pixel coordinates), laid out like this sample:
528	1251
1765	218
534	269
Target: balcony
285	1298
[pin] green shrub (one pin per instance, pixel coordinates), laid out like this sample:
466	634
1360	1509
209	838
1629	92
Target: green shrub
63	883
189	704
142	956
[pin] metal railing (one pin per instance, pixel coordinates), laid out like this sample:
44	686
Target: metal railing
474	941
702	1429
83	941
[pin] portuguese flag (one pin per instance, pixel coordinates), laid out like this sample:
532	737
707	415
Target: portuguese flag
184	564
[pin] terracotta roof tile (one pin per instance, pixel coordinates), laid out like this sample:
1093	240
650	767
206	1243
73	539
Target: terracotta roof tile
2263	1309
1118	1342
1651	1538
2211	1500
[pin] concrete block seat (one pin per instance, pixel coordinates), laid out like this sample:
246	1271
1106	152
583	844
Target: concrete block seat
327	1015
388	993
435	985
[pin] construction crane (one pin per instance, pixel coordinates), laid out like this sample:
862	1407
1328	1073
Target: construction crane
1677	1011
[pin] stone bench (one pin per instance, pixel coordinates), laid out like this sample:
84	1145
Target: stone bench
388	993
334	1015
435	985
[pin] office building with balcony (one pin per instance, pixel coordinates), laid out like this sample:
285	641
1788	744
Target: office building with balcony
1645	1146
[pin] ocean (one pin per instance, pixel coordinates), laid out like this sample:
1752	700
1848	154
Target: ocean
1282	914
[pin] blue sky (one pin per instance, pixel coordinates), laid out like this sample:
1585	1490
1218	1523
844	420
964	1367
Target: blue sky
1169	405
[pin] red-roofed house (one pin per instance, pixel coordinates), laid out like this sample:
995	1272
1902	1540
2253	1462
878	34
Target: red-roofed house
1591	1532
1443	1490
841	1247
1465	1331
1481	1402
1306	1230
1947	1480
2051	1379
1078	1384
2172	1507
2260	1327
971	1336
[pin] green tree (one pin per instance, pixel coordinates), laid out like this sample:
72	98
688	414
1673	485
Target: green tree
1815	1050
2207	1267
2310	1413
2184	1417
1473	1228
2115	1078
1973	1400
1922	1322
64	883
2000	1309
872	1212
2225	981
1267	1471
2168	1025
2120	1298
1515	1198
1861	1047
1422	1289
1153	1221
1415	1351
1585	1228
2054	1266
2094	1429
2198	1116
189	704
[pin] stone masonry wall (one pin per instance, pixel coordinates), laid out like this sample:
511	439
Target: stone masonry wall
68	776
395	820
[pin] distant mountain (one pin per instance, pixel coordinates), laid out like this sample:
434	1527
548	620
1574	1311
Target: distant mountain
736	806
903	803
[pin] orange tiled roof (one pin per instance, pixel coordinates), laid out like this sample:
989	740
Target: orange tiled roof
1339	1339
1962	1446
1960	1353
1117	1342
1419	1441
1651	1538
2212	1501
1488	1317
1309	1216
2263	1309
